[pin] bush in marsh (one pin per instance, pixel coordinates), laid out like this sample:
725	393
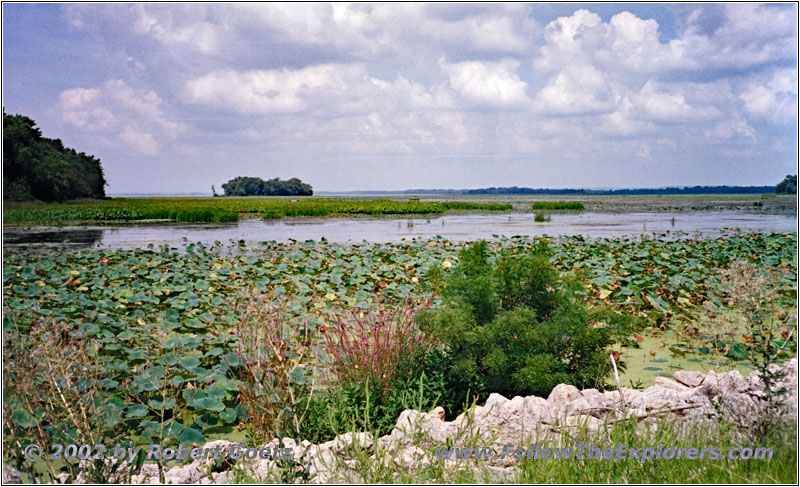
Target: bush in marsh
515	327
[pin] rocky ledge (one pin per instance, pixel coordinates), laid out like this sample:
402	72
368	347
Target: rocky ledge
691	397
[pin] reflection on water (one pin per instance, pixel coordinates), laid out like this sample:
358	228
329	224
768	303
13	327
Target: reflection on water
452	227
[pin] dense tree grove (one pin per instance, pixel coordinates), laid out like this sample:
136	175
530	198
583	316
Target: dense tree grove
35	167
787	186
246	186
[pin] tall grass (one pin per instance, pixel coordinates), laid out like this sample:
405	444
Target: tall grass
275	367
558	205
373	346
220	209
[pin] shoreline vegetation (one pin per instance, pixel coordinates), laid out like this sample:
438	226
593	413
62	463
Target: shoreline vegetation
188	347
228	209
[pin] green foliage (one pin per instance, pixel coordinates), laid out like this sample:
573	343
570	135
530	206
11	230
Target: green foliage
275	368
472	282
376	364
220	209
60	397
35	167
359	407
558	205
174	310
788	185
247	186
520	330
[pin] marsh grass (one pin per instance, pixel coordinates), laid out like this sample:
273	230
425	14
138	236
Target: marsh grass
275	366
674	434
557	205
221	209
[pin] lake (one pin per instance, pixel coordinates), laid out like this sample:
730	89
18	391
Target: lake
453	226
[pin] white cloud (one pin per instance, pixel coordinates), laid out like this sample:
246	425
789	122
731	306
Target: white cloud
116	112
773	99
328	88
494	84
144	143
628	45
432	82
575	90
669	105
750	34
312	33
730	129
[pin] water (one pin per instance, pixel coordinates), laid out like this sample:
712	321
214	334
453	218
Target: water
457	226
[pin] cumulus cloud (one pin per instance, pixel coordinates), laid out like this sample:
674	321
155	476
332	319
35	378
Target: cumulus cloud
433	82
748	35
328	88
729	129
267	35
773	99
669	105
577	89
493	84
117	112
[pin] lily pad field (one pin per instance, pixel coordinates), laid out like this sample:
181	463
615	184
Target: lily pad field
159	345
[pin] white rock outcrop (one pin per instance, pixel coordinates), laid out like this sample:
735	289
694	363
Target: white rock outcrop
692	396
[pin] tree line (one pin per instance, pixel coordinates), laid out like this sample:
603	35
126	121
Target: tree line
38	168
787	186
631	191
249	186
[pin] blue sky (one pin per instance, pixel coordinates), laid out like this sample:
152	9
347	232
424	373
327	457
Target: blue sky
176	97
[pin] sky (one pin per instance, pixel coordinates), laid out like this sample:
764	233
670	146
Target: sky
174	98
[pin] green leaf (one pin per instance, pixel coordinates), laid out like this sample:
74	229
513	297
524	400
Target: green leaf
137	411
159	403
228	415
190	362
207	403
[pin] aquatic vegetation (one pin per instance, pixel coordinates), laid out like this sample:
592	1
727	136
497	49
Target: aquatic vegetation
162	325
120	210
557	205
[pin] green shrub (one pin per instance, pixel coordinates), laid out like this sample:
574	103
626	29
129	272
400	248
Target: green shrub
519	330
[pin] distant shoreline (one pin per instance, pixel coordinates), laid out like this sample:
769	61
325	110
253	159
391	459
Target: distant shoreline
510	191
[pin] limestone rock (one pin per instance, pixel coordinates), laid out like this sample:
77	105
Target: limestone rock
412	458
628	394
437	413
669	384
562	394
656	397
501	421
690	378
352	441
11	476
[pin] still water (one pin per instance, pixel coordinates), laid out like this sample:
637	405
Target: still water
455	226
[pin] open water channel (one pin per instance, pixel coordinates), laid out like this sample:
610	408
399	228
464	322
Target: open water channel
453	226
